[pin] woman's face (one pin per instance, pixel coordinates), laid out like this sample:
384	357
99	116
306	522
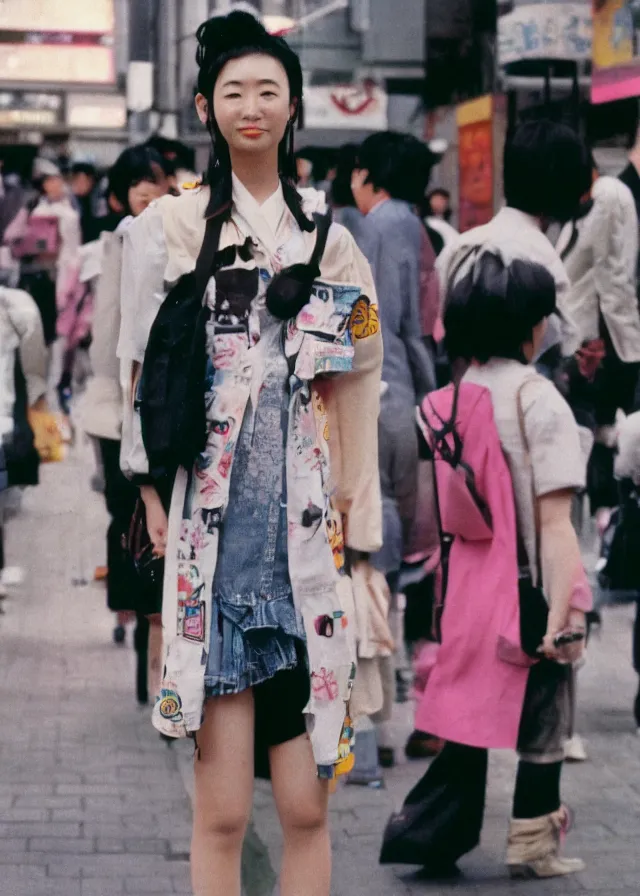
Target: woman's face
141	195
251	103
54	187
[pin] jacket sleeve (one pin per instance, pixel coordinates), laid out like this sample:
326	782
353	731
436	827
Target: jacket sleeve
144	260
615	252
106	311
420	362
25	319
354	403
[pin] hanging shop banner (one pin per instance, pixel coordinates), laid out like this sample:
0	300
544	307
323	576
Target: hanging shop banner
57	41
616	53
546	31
355	106
475	155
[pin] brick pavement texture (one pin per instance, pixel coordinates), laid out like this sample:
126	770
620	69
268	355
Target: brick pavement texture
92	803
91	800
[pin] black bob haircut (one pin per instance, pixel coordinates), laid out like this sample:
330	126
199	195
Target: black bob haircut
134	165
547	170
491	311
220	40
397	163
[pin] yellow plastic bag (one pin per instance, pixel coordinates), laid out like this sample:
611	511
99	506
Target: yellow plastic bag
48	439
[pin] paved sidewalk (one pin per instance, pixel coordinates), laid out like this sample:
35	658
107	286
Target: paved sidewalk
91	801
605	792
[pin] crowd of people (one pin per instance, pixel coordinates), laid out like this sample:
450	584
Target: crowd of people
339	440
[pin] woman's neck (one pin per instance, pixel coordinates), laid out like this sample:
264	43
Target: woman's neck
259	174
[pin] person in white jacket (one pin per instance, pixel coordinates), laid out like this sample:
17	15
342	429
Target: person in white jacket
22	385
599	249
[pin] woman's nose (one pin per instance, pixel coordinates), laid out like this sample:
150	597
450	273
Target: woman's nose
251	108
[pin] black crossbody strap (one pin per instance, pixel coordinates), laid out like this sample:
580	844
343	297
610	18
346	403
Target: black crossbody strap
323	225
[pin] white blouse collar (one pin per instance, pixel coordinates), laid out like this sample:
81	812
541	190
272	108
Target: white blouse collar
262	221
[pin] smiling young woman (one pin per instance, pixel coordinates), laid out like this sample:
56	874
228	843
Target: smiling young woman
256	537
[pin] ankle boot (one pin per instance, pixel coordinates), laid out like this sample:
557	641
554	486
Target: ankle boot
533	849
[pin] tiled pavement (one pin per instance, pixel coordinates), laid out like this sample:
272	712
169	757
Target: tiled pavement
92	803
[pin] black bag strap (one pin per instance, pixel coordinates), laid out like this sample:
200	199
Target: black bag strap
323	225
207	253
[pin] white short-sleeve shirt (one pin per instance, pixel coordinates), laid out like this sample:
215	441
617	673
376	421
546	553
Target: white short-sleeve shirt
557	460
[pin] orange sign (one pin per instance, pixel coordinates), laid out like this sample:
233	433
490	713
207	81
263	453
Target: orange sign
475	154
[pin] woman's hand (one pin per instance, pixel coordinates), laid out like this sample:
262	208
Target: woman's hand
566	654
157	522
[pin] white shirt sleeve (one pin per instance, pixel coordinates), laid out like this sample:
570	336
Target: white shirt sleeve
557	458
142	286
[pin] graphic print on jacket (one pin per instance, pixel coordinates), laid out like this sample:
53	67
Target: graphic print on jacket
261	396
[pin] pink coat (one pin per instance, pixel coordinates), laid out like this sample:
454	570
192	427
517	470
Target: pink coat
474	696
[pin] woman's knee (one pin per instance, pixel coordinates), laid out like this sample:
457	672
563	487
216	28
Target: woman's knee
304	817
225	823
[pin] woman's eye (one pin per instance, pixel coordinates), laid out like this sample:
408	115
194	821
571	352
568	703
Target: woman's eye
232	96
268	93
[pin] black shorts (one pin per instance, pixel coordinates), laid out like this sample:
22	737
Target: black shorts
279	704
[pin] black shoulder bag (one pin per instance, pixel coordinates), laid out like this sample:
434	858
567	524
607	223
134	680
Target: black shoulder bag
171	393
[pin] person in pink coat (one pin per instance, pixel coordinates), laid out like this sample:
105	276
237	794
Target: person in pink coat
520	440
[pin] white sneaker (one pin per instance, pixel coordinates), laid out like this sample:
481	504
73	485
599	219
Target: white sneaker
575	750
11	576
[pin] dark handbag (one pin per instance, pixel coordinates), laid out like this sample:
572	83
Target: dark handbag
441	819
148	566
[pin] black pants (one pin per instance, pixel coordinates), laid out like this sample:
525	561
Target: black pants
447	804
121	496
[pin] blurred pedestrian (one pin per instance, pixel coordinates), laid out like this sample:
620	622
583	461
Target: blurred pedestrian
599	248
23	387
439	214
389	178
135	181
84	181
258	640
73	299
304	171
387	183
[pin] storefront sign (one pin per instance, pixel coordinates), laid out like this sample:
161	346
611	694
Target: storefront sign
355	106
475	154
57	41
96	111
546	31
616	57
95	16
30	110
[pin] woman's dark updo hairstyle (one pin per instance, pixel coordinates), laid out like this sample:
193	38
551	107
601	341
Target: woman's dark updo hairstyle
491	311
221	39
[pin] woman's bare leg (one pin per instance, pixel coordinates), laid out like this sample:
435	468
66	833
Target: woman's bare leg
155	656
223	794
302	800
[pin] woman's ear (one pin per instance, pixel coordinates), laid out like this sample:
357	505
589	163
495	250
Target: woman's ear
293	109
202	108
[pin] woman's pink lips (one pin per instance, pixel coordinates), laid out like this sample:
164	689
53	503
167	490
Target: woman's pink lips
253	133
